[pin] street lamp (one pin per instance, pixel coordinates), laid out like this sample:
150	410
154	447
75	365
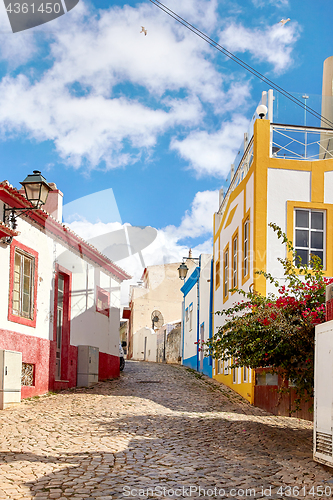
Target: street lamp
183	269
36	191
36	188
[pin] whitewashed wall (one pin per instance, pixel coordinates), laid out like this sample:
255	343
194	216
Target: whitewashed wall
139	343
88	326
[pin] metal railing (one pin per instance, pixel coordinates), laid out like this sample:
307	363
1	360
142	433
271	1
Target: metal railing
287	142
240	173
301	143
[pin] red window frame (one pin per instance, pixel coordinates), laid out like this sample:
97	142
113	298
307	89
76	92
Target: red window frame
11	316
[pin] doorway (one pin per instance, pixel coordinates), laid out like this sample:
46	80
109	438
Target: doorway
62	323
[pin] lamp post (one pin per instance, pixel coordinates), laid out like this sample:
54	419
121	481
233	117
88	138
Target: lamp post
36	191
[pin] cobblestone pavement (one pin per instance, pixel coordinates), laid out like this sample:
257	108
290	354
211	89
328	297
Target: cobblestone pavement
159	427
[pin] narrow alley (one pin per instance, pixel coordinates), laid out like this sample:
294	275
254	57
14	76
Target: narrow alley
158	431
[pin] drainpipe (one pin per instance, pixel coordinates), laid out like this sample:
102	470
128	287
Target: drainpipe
211	308
183	326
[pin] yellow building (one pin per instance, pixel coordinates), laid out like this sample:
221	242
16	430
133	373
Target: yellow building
285	176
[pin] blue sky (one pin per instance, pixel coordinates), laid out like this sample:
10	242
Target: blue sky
96	105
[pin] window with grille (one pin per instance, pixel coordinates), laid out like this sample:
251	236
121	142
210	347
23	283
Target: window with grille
246	228
225	274
234	375
191	316
23	285
217	274
309	234
234	262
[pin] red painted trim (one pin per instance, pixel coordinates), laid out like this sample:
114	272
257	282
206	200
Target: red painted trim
101	291
35	351
108	366
6	231
13	198
40	353
11	316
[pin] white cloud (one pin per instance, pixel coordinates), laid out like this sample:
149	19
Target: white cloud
202	13
198	221
89	230
272	44
78	102
91	100
91	127
212	153
18	48
276	3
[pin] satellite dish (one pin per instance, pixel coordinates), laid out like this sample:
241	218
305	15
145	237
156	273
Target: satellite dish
157	319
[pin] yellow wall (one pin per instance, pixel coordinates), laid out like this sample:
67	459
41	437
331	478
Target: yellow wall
258	219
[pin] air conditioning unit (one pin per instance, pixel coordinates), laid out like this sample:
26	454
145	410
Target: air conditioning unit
10	378
323	395
87	365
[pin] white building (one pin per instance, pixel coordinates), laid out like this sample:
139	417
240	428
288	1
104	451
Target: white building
158	298
144	344
56	292
197	322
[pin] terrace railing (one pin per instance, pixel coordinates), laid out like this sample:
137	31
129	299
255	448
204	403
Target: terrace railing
241	171
301	143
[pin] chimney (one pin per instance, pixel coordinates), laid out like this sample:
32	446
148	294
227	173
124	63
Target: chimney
327	92
326	108
221	196
53	203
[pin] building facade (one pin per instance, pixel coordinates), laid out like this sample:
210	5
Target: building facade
159	296
282	177
144	344
197	318
169	343
56	293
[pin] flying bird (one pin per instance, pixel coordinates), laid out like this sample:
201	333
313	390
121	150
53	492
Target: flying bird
143	30
284	21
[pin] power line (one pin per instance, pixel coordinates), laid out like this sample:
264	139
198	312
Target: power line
240	62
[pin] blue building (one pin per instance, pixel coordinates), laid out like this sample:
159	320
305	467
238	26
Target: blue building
197	315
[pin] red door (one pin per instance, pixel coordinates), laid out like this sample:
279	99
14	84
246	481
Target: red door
62	326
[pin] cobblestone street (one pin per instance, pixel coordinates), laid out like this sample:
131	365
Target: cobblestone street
160	427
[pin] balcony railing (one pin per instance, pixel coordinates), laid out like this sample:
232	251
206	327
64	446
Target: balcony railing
240	173
287	142
301	143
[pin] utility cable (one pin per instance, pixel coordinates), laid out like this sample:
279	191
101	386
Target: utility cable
240	62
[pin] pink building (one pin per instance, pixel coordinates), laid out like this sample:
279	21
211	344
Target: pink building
57	292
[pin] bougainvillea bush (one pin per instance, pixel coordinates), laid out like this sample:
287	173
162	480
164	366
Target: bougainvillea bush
277	331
